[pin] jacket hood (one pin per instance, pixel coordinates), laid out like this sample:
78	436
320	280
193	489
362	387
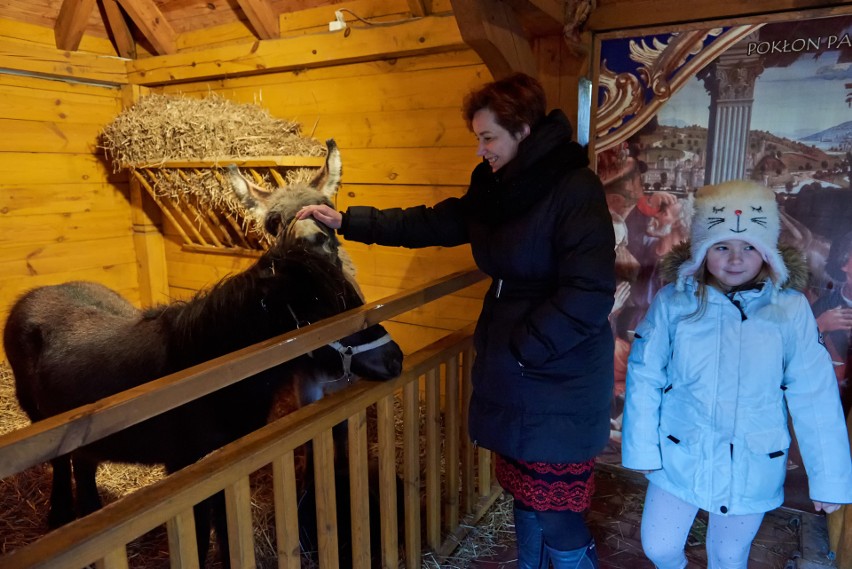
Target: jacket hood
793	259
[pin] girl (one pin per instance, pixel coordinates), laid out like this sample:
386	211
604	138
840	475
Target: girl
719	358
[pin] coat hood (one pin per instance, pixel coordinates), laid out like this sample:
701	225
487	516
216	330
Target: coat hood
793	259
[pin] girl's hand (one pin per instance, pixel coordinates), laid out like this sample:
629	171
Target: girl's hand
835	319
322	213
826	507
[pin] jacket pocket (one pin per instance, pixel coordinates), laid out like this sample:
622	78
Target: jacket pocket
680	449
762	465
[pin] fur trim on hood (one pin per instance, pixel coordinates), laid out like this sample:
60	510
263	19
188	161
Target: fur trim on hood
793	259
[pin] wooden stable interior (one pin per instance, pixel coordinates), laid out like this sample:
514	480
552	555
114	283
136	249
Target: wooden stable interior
388	89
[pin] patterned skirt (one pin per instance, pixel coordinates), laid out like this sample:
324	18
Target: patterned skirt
545	486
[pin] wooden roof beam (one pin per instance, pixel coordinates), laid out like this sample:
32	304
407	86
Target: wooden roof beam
554	10
492	30
71	23
118	29
417	8
153	25
262	18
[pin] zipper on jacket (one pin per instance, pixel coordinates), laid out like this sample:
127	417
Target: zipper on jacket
499	288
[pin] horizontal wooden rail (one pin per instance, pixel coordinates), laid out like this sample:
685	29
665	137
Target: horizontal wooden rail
63	433
88	539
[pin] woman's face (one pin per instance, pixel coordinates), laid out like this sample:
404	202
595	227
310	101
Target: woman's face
734	262
496	144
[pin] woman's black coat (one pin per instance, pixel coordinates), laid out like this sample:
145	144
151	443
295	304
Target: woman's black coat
540	227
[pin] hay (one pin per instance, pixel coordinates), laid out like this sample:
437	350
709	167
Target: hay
171	127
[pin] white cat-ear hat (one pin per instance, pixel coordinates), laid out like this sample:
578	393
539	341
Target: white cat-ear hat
742	210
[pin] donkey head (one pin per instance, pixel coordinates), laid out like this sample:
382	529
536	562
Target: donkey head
278	207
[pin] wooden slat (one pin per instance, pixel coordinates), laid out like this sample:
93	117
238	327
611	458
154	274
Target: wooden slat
31	259
451	442
326	502
312	20
426	35
149	248
411	471
25	56
25	27
359	490
26	103
183	545
286	512
387	482
418	8
433	461
240	531
153	25
71	23
262	18
468	485
27	168
115	559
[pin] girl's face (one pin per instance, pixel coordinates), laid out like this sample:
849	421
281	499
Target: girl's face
496	144
734	262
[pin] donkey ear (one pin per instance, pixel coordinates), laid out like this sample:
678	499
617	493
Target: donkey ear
327	180
254	198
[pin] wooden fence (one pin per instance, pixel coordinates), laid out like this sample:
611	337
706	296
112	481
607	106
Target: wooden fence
442	370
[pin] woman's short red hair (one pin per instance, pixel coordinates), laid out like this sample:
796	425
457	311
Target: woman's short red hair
515	100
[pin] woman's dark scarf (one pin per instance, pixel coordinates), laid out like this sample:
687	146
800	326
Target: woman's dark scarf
543	158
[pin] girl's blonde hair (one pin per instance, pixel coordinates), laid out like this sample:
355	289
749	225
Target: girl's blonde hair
703	279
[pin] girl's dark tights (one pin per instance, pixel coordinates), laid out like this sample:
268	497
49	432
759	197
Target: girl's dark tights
563	531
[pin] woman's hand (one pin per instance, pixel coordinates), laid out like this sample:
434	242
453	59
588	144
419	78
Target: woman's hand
322	213
826	507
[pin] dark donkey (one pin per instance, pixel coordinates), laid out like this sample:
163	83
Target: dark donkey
78	342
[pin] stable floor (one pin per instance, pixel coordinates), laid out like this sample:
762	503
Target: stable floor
788	538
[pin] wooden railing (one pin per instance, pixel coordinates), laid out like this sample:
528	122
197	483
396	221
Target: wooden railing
464	492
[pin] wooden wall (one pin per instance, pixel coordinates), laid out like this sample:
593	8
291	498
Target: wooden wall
63	215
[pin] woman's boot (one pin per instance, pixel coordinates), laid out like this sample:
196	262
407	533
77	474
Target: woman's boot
581	558
531	550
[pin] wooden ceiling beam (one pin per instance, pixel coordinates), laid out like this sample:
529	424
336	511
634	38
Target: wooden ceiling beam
262	18
118	29
153	25
71	23
417	8
492	30
554	10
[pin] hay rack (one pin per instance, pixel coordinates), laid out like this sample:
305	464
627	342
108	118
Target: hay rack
196	198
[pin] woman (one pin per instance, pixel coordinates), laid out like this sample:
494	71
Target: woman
538	224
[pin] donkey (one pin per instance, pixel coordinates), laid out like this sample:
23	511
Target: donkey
74	343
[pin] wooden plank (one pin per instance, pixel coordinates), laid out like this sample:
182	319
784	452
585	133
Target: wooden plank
639	13
153	25
286	512
63	227
262	18
33	21
50	137
29	168
115	559
148	248
28	57
326	502
433	461
183	545
240	531
431	166
387	481
468	486
214	36
452	431
359	489
49	85
34	104
491	28
433	34
27	260
411	471
311	20
21	201
71	23
418	8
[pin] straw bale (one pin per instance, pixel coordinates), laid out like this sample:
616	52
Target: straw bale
173	127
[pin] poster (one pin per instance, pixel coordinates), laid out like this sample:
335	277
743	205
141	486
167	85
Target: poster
768	102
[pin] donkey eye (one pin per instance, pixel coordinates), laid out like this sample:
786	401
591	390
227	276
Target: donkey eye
757	209
718	209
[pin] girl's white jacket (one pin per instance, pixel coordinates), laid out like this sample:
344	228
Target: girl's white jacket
705	404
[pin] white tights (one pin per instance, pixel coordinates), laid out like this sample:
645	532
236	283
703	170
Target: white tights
666	521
